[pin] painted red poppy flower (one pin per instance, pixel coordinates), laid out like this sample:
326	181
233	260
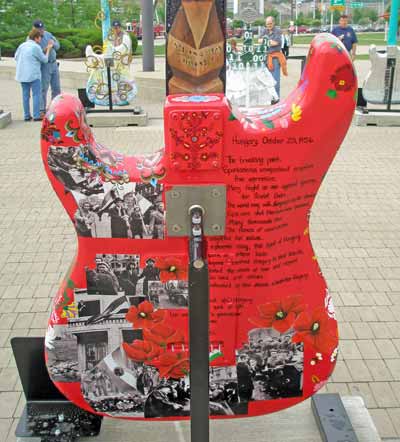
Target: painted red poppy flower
316	329
141	351
163	335
344	78
144	315
172	268
279	314
173	364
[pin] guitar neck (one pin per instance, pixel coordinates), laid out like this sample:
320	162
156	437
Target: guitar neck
393	23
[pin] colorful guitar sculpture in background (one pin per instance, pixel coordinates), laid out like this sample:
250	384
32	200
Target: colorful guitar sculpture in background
117	48
377	84
117	340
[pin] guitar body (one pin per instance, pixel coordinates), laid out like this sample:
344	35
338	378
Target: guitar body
376	86
117	341
123	86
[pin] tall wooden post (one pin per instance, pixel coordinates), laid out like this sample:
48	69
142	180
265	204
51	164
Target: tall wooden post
195	46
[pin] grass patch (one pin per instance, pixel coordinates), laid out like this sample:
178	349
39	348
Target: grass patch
158	50
364	39
362	57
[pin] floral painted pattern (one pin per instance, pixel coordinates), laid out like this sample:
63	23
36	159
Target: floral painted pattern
343	80
279	315
144	316
316	330
158	336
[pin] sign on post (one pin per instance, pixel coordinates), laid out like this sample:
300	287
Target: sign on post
338	4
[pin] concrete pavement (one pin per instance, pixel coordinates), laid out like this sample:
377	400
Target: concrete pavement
355	230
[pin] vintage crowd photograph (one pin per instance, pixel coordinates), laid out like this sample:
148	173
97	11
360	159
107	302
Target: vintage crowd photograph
63	164
269	366
132	210
122	276
107	210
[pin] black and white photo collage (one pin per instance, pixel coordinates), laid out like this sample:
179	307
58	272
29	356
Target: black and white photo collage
105	209
269	366
90	349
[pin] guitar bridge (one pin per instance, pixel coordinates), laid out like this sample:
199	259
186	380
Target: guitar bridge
179	199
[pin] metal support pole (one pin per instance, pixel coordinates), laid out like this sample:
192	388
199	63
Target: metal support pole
198	329
392	63
147	35
110	103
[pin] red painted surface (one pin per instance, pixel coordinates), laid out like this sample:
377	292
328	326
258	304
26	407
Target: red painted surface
271	316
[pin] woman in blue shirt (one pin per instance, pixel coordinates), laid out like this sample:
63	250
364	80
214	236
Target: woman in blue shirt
29	57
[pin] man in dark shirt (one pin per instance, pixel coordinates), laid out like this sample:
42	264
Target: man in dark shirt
346	35
50	71
149	273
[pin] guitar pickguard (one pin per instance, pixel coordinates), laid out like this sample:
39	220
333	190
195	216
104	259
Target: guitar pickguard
117	341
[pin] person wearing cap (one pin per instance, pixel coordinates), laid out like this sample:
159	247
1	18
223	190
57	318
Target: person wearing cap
149	273
50	72
120	40
29	57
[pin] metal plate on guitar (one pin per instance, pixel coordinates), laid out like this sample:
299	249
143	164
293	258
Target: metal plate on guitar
211	198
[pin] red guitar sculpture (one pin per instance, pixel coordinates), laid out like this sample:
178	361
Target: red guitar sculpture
117	341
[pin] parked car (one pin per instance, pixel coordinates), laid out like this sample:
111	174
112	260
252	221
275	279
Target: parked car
302	29
313	30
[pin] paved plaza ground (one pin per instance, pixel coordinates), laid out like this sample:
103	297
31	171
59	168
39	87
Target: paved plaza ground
355	230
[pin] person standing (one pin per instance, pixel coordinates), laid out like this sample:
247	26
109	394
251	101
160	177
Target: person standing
50	71
119	219
29	57
285	43
120	40
275	59
245	379
346	35
149	273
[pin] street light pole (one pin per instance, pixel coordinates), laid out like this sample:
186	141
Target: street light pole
147	35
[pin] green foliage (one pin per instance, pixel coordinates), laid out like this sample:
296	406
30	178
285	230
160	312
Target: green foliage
372	15
7	49
302	20
364	21
272	12
364	16
259	22
134	40
237	24
73	42
66	46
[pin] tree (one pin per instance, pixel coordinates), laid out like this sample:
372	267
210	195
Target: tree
372	15
272	13
357	15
